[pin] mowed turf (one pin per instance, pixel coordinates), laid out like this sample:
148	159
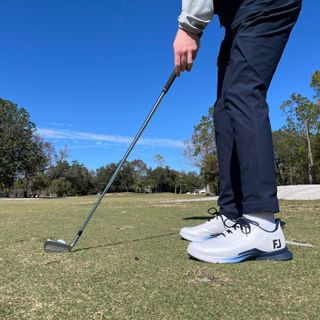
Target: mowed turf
131	264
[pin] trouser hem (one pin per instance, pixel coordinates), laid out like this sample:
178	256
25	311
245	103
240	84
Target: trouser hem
261	206
253	207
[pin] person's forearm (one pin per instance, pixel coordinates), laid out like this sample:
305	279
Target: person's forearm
195	15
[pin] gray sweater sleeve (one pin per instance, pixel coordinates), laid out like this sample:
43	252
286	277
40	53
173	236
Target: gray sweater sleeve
195	15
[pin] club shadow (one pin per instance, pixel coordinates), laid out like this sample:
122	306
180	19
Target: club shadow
127	241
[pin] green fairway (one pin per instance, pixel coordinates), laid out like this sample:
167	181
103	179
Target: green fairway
131	264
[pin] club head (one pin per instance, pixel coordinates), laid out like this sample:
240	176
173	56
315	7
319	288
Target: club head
56	246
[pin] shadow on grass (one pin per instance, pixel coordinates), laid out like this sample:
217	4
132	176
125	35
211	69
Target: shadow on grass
198	218
128	241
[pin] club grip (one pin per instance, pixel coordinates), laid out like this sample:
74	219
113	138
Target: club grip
170	81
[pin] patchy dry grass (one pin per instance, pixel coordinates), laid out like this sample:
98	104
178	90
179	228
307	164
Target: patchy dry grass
131	264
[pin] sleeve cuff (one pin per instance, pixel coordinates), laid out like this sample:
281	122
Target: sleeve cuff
195	15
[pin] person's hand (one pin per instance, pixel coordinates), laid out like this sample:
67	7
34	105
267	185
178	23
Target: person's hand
185	46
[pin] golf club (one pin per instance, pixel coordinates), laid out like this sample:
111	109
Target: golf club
60	246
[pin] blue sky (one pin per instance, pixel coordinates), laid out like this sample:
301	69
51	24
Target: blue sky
88	72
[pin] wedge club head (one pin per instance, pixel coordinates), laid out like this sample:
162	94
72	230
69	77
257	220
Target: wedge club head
56	246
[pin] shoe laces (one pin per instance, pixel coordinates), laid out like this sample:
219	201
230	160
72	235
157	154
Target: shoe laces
213	211
238	223
241	222
215	214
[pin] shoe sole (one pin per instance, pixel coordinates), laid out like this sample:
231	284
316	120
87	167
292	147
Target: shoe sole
255	254
193	239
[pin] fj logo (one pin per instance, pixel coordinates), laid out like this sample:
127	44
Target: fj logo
276	244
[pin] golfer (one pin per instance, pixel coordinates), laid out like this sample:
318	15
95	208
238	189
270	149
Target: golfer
256	33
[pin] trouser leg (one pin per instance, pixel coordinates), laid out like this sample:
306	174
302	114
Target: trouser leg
260	31
230	199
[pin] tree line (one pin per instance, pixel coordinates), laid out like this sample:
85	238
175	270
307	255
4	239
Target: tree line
31	167
74	179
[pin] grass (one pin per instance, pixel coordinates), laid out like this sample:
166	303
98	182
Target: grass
131	264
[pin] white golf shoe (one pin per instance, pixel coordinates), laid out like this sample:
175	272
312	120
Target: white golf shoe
205	230
243	241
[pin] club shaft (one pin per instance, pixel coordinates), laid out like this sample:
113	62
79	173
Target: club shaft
125	157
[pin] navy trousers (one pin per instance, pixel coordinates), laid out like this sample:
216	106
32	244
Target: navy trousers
256	32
